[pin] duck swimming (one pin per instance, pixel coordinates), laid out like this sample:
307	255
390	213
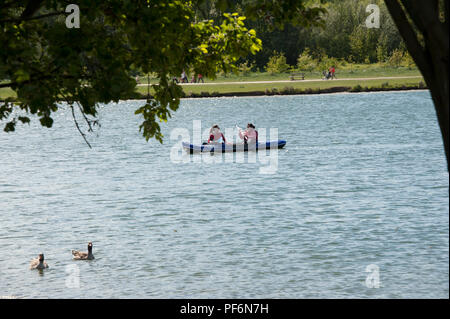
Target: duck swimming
38	263
78	255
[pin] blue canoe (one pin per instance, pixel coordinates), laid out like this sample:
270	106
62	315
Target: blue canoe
225	148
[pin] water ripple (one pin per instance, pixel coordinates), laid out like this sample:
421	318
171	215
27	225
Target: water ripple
362	181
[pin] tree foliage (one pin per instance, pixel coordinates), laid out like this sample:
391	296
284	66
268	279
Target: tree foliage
277	63
45	62
306	62
342	35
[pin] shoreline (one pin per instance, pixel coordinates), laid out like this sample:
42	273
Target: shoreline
285	91
291	91
282	95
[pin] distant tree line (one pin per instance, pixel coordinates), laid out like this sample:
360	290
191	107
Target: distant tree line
344	36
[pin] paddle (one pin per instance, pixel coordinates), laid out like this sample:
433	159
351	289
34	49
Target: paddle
245	138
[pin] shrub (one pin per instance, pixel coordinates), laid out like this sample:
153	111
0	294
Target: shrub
357	88
396	58
222	73
306	62
277	63
407	61
288	90
245	68
325	62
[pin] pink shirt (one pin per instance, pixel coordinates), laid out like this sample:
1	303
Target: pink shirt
217	135
252	136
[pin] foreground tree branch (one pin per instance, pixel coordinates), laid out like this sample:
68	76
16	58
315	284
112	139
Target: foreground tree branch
78	126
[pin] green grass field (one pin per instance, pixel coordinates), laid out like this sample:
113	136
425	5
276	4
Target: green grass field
349	71
357	72
244	87
6	92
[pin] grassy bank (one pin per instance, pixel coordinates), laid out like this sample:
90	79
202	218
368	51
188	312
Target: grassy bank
298	87
226	88
347	71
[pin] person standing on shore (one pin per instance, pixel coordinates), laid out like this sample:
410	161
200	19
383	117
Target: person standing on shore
332	70
184	78
200	78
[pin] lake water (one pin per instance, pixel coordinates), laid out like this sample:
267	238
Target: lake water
361	185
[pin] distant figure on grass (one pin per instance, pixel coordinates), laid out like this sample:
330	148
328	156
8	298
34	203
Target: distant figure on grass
250	135
200	78
332	70
193	79
329	74
184	78
137	79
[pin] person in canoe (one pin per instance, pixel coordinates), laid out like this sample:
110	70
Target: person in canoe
250	135
215	135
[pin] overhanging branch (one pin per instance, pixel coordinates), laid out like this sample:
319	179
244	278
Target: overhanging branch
78	127
31	8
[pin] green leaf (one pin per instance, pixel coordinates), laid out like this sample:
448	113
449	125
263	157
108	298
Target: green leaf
24	119
46	121
21	76
10	127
